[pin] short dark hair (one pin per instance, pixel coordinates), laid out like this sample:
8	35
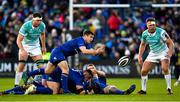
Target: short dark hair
87	32
89	71
150	19
36	15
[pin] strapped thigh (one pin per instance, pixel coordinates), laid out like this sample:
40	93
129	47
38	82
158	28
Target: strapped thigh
22	61
39	62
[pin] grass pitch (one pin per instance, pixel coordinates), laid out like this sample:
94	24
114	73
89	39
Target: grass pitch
156	91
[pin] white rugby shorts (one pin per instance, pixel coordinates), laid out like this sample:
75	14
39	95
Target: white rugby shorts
157	57
33	50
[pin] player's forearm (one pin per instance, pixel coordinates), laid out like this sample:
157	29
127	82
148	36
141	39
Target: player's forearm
101	73
43	37
141	49
90	52
170	45
19	44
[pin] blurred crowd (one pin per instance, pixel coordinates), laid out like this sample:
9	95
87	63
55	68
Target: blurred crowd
13	13
119	29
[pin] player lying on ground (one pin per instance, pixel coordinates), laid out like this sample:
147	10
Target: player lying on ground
77	79
35	86
49	84
96	83
54	79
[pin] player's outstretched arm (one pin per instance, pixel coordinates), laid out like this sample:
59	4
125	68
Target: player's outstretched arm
91	51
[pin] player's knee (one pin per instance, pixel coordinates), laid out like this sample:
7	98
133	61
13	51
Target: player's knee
65	70
112	90
47	71
21	65
165	70
144	72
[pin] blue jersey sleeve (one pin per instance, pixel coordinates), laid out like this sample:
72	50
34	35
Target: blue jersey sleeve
44	76
80	43
89	46
97	82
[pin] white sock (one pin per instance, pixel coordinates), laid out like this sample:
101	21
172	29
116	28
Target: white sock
144	82
18	77
179	78
168	80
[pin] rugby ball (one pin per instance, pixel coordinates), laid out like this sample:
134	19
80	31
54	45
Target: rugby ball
123	61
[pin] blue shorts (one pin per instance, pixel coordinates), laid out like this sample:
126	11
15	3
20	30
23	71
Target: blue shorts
55	76
50	78
56	56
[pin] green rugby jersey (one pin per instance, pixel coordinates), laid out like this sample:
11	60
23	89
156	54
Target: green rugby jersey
156	41
31	34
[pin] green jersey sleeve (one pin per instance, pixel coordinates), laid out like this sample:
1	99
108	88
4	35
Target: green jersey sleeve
23	30
43	28
143	37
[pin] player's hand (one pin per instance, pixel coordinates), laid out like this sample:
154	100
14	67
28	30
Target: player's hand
100	50
91	92
140	61
94	71
168	55
92	68
44	50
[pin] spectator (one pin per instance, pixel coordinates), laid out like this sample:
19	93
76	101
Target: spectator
114	21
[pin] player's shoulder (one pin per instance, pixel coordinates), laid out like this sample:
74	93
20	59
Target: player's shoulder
74	40
144	33
78	39
27	23
75	71
160	29
43	24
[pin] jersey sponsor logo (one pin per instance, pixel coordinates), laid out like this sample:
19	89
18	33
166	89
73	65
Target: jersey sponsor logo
55	58
152	41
